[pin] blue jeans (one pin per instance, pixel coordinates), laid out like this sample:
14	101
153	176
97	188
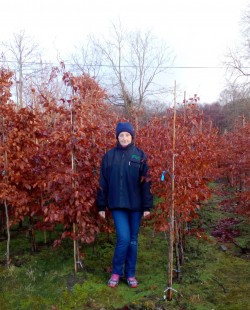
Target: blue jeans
127	225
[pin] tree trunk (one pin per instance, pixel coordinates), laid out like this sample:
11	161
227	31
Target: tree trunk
76	251
177	249
32	236
8	233
5	158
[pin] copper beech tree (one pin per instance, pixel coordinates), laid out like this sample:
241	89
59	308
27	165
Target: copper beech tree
5	84
195	165
53	156
235	163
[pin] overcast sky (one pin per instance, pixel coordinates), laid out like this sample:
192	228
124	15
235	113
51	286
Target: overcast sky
198	31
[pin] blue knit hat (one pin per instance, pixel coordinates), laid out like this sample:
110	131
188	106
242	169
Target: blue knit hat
127	127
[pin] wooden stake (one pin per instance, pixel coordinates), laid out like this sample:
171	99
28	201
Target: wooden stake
171	215
75	249
73	168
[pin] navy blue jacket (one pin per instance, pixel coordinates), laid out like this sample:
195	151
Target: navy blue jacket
123	183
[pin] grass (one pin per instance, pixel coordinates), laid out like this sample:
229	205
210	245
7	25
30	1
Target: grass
210	278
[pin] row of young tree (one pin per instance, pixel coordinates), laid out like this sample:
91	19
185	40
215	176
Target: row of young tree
51	153
225	117
235	163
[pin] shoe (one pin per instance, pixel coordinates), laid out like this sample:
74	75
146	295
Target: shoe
114	280
132	282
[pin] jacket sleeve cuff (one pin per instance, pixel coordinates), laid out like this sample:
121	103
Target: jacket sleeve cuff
147	209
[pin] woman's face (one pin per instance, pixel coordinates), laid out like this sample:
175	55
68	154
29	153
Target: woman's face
124	138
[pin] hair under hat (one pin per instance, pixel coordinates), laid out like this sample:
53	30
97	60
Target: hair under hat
127	127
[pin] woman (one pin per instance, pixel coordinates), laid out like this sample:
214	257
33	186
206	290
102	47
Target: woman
125	190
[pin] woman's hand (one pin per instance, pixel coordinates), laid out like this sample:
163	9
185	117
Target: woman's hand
146	213
102	214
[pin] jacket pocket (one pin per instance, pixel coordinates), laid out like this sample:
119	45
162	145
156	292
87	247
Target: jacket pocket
135	164
134	169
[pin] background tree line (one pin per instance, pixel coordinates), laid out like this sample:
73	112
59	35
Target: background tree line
130	66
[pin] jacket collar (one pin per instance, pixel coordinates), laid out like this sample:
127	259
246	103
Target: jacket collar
128	147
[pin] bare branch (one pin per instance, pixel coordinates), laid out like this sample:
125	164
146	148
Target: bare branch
131	63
